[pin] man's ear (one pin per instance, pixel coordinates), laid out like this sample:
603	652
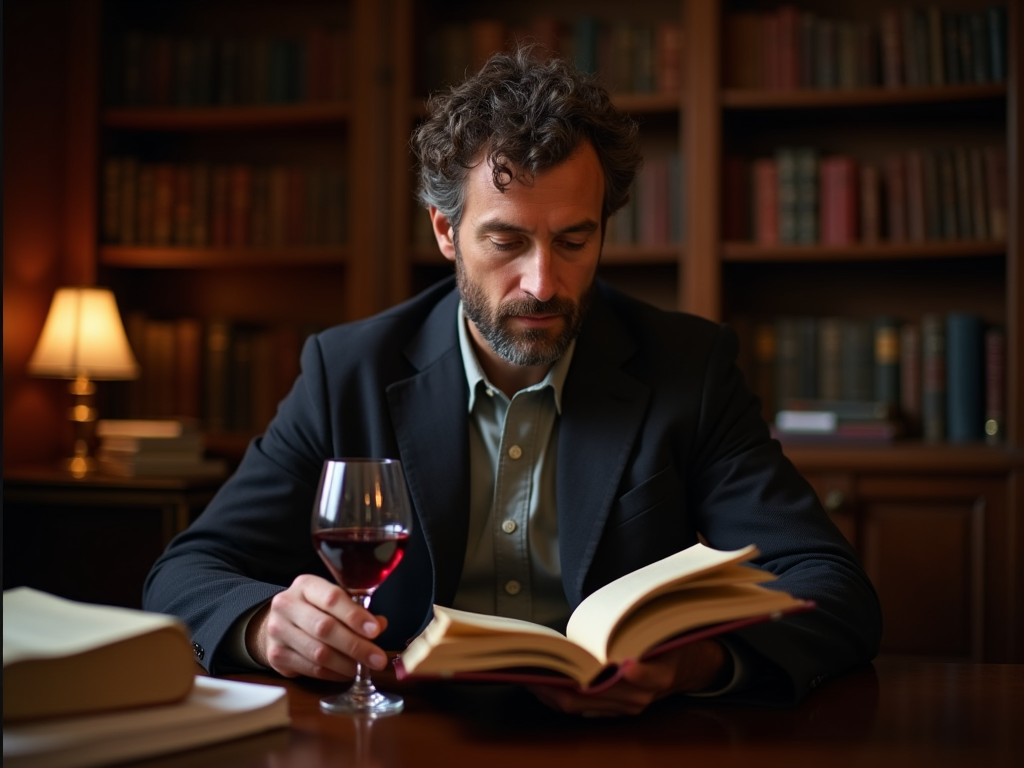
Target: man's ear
444	233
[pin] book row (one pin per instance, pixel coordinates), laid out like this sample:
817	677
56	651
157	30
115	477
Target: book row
940	377
803	196
228	375
653	215
629	57
192	71
239	205
907	47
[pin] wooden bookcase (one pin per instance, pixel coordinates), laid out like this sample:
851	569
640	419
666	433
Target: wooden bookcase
957	505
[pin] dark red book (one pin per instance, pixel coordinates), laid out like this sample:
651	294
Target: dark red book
910	378
896	198
916	230
996	187
772	51
239	205
668	57
838	206
219	184
892	49
788	20
736	195
766	201
870	204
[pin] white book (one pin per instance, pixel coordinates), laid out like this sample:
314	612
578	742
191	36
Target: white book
216	710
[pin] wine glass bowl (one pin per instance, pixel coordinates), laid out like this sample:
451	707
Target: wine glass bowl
361	524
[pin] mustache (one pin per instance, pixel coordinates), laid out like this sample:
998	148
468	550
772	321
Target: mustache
556	305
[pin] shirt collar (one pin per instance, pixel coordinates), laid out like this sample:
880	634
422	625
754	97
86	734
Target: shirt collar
555	378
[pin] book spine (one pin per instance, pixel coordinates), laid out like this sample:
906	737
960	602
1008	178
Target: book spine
789	47
857	360
217	391
896	198
995	385
964	377
188	355
787	360
830	356
870	204
910	378
892	49
826	48
947	185
962	174
808	332
766	207
669	57
807	194
936	47
771	48
979	206
951	46
915	196
847	75
785	162
111	222
887	360
930	182
808	50
981	58
997	191
933	378
996	19
911	55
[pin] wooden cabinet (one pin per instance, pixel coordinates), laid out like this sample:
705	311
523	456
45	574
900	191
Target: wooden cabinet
941	545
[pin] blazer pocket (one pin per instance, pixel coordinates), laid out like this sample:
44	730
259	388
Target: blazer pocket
653	492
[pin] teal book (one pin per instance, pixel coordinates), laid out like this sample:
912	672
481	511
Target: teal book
887	359
965	371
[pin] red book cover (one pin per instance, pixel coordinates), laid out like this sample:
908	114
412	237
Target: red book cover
788	20
766	201
239	205
736	194
892	49
183	205
188	356
870	204
896	198
668	57
838	200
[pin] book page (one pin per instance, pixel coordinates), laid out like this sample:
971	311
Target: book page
594	620
38	625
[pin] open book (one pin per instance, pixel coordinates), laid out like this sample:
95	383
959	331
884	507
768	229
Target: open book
63	657
696	593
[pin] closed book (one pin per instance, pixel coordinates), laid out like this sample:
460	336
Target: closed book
785	160
807	195
239	204
965	47
996	191
216	373
789	47
668	57
965	374
188	376
146	429
979	206
896	198
996	25
240	364
66	658
932	207
765	347
933	378
869	432
188	443
826	50
981	58
995	385
145	206
844	410
787	360
870	204
772	56
183	205
163	204
766	202
951	47
910	378
111	217
887	360
838	182
857	359
808	49
220	183
948	195
848	38
200	236
167	465
128	199
830	349
892	48
936	47
916	227
912	56
158	363
962	174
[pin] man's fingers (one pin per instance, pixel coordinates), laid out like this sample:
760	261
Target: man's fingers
333	600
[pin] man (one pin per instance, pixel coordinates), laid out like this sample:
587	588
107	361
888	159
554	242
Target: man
555	435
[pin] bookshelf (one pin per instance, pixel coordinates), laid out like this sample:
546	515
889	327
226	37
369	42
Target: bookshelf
964	500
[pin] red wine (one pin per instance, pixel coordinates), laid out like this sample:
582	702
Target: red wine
360	558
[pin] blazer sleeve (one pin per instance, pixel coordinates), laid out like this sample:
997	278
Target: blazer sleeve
742	490
254	536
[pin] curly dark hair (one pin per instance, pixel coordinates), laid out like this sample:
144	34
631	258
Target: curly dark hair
529	116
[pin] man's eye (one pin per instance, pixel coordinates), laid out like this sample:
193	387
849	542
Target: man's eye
505	245
570	245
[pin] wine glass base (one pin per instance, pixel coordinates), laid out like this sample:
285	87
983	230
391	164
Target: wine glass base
376	704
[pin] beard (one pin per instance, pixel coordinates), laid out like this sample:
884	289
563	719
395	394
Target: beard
530	346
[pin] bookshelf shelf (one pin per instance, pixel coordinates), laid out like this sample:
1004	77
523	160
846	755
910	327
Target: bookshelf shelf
226	118
192	258
745	99
903	456
740	252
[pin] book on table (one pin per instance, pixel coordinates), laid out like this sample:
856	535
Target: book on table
697	593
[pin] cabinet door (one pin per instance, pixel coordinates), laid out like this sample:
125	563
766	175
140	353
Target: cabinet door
934	549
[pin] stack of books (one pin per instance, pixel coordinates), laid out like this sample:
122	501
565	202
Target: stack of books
154	447
810	420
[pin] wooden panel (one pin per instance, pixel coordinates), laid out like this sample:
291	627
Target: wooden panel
923	558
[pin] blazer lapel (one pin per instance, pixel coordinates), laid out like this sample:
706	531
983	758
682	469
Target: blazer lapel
603	408
428	411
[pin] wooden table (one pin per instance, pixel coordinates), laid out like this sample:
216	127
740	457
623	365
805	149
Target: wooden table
894	713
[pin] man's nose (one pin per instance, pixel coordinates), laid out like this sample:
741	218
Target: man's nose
538	279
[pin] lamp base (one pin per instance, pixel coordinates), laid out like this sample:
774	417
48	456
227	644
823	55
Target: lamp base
79	466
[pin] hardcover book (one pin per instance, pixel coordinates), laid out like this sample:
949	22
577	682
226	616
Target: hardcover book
696	593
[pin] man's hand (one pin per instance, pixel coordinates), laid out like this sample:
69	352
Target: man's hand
315	629
704	665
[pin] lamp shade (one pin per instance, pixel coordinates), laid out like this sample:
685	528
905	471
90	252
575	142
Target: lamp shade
83	336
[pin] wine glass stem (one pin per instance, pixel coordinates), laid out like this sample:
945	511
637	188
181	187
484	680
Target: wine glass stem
361	686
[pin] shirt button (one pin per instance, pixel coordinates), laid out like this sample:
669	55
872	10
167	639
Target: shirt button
515	452
512	587
508	526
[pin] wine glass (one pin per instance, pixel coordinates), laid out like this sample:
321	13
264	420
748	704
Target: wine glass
361	525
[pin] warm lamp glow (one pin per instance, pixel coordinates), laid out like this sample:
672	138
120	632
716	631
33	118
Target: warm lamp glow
83	336
83	339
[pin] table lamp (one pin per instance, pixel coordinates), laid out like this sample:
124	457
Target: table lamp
83	339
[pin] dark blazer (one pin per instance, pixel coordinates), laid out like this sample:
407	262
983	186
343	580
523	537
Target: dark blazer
659	439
